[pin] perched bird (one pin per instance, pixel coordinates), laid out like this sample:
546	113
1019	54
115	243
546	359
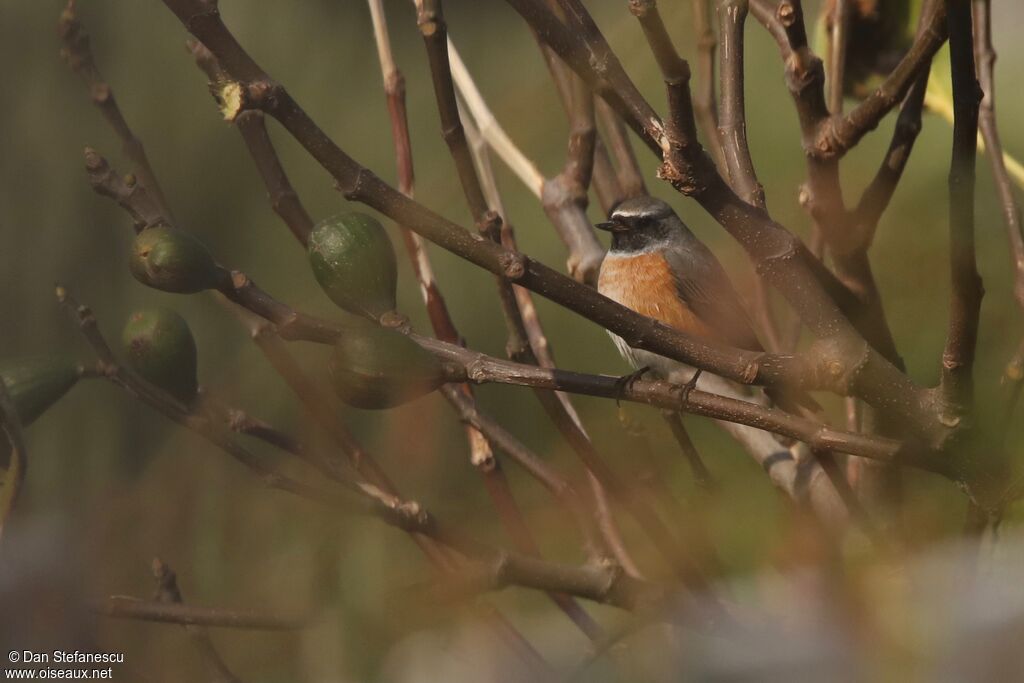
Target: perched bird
657	267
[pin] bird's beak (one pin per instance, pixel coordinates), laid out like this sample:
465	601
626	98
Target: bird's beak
608	226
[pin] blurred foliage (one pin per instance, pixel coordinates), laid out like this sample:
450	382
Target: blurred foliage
111	485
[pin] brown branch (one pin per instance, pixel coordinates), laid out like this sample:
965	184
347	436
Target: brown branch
838	135
674	70
986	57
805	74
130	194
701	475
967	291
168	592
606	179
731	136
627	168
478	367
564	197
838	22
876	197
432	27
123	607
732	123
704	103
77	53
253	129
327	464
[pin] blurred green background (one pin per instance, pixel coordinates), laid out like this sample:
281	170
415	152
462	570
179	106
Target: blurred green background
111	484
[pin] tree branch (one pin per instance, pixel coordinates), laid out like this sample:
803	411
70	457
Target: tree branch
563	197
967	291
123	607
77	53
168	592
704	102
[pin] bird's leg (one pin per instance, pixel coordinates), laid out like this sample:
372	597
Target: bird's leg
686	389
625	383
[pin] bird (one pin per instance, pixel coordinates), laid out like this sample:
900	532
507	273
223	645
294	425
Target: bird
657	267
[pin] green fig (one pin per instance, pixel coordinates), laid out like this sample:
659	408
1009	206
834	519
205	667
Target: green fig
354	262
158	345
35	384
880	32
173	261
375	367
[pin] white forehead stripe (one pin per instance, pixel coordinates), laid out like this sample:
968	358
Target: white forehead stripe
641	208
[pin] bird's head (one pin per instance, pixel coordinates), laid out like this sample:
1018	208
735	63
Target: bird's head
641	224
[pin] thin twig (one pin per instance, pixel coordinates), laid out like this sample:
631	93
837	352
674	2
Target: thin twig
704	102
701	475
839	33
168	592
733	147
76	51
967	291
124	607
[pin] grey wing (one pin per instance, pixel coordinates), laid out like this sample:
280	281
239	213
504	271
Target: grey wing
703	284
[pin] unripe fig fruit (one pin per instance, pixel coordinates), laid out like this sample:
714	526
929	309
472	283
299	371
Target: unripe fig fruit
158	345
35	384
879	33
374	367
173	261
354	262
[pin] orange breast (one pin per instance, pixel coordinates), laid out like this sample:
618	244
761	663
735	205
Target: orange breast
645	283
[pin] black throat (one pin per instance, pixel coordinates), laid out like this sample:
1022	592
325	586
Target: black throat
635	240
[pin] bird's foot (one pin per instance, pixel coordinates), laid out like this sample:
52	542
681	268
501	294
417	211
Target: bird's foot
686	389
625	383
